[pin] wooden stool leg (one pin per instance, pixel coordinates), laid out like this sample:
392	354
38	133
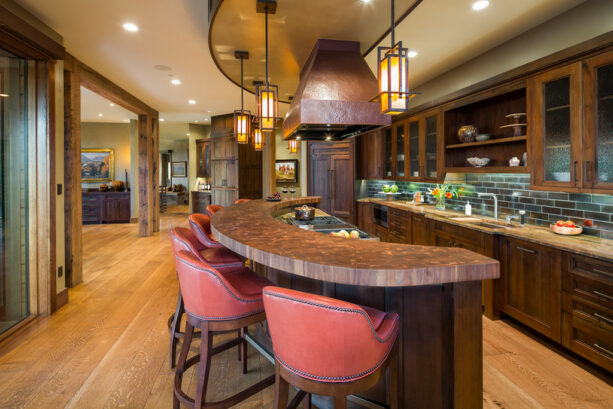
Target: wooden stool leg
281	389
393	382
175	327
206	344
187	341
306	402
340	402
238	350
243	349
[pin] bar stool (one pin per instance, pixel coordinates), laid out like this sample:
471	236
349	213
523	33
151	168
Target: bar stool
220	258
242	201
329	347
212	209
201	226
215	302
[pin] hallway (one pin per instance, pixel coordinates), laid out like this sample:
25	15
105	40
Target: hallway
108	347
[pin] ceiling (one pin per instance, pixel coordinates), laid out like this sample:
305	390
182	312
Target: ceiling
174	34
95	108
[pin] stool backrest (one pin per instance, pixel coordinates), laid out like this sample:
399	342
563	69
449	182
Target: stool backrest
185	240
208	294
201	226
212	209
325	339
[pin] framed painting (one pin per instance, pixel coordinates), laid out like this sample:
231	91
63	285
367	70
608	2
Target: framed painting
179	169
97	165
286	171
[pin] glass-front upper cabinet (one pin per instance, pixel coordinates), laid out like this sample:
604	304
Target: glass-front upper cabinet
414	165
598	128
556	127
399	151
388	154
431	146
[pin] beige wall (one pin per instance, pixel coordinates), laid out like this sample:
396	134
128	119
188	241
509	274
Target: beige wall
110	135
588	20
282	152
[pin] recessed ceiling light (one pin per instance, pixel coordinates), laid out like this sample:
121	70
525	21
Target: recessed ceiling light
100	115
175	81
111	104
191	102
365	1
209	111
131	27
412	54
4	95
126	120
162	119
196	120
480	5
187	134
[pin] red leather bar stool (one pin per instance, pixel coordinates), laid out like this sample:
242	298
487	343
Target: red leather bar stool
220	258
212	209
242	201
214	303
329	347
201	226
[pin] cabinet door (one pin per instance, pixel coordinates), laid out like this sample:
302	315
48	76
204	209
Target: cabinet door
381	232
341	174
320	178
531	281
420	231
203	152
388	154
555	113
399	149
430	126
371	155
598	116
364	217
413	149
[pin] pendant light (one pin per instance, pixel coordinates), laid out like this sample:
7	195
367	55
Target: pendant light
393	63
242	118
292	146
267	95
258	139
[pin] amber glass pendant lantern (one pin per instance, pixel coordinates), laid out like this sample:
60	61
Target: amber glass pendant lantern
258	139
267	95
393	63
292	146
242	118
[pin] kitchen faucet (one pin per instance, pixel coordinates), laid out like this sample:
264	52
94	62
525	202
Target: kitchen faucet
495	202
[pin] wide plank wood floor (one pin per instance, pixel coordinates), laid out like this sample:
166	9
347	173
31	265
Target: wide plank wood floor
108	348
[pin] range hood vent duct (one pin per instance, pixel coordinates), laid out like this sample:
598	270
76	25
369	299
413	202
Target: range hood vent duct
333	97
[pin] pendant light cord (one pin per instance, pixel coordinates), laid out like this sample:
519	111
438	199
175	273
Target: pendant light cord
266	17
242	89
393	24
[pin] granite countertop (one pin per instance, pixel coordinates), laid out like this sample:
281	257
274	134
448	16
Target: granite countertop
583	244
251	230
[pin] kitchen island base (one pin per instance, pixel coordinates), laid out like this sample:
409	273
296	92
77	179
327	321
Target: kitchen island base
440	344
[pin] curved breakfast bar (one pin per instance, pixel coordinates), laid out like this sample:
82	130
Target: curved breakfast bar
436	291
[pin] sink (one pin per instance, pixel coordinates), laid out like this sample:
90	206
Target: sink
480	222
492	225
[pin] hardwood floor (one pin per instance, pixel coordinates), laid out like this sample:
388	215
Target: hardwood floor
108	347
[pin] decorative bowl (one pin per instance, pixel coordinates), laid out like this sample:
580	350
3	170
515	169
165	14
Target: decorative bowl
467	133
116	185
478	162
566	231
304	213
103	187
482	137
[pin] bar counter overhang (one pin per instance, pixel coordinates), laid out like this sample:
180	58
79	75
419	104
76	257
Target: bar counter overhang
435	290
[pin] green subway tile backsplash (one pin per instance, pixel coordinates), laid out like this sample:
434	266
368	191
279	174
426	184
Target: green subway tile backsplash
514	194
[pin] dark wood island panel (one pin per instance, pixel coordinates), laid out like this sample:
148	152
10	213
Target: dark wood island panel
436	292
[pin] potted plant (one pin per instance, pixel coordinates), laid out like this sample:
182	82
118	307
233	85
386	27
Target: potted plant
442	192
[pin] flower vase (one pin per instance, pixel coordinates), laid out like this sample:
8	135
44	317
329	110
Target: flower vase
440	202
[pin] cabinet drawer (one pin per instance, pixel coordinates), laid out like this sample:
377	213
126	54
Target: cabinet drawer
381	232
397	213
588	310
588	340
589	279
464	235
394	237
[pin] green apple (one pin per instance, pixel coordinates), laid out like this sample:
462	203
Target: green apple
386	188
394	189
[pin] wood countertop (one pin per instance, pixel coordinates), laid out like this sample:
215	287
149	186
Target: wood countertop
250	230
583	244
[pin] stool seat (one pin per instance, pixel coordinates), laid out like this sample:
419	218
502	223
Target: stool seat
220	258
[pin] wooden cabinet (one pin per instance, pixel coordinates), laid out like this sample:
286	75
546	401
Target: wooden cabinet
224	173
369	153
200	200
364	217
106	207
450	235
399	226
222	125
224	148
421	232
587	318
203	158
399	145
381	232
531	286
331	176
224	197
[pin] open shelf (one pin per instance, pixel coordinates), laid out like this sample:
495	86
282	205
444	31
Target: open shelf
557	108
488	169
488	142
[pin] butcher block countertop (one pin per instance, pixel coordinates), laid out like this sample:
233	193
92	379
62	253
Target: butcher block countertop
583	244
251	230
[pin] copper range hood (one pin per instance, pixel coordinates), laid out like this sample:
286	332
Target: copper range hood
333	97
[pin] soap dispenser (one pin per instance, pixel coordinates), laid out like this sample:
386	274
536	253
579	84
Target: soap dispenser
468	209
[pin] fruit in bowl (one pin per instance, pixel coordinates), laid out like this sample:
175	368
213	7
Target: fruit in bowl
566	227
386	188
274	196
394	189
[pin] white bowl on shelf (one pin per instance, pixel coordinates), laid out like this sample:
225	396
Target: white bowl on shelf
478	162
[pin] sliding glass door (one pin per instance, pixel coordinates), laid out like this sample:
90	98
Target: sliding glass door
14	286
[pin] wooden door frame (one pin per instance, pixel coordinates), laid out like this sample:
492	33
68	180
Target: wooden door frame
77	74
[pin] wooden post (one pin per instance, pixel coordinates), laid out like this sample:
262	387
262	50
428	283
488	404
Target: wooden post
72	173
145	180
155	172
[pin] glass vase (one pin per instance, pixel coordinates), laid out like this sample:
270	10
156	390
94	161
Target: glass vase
440	203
